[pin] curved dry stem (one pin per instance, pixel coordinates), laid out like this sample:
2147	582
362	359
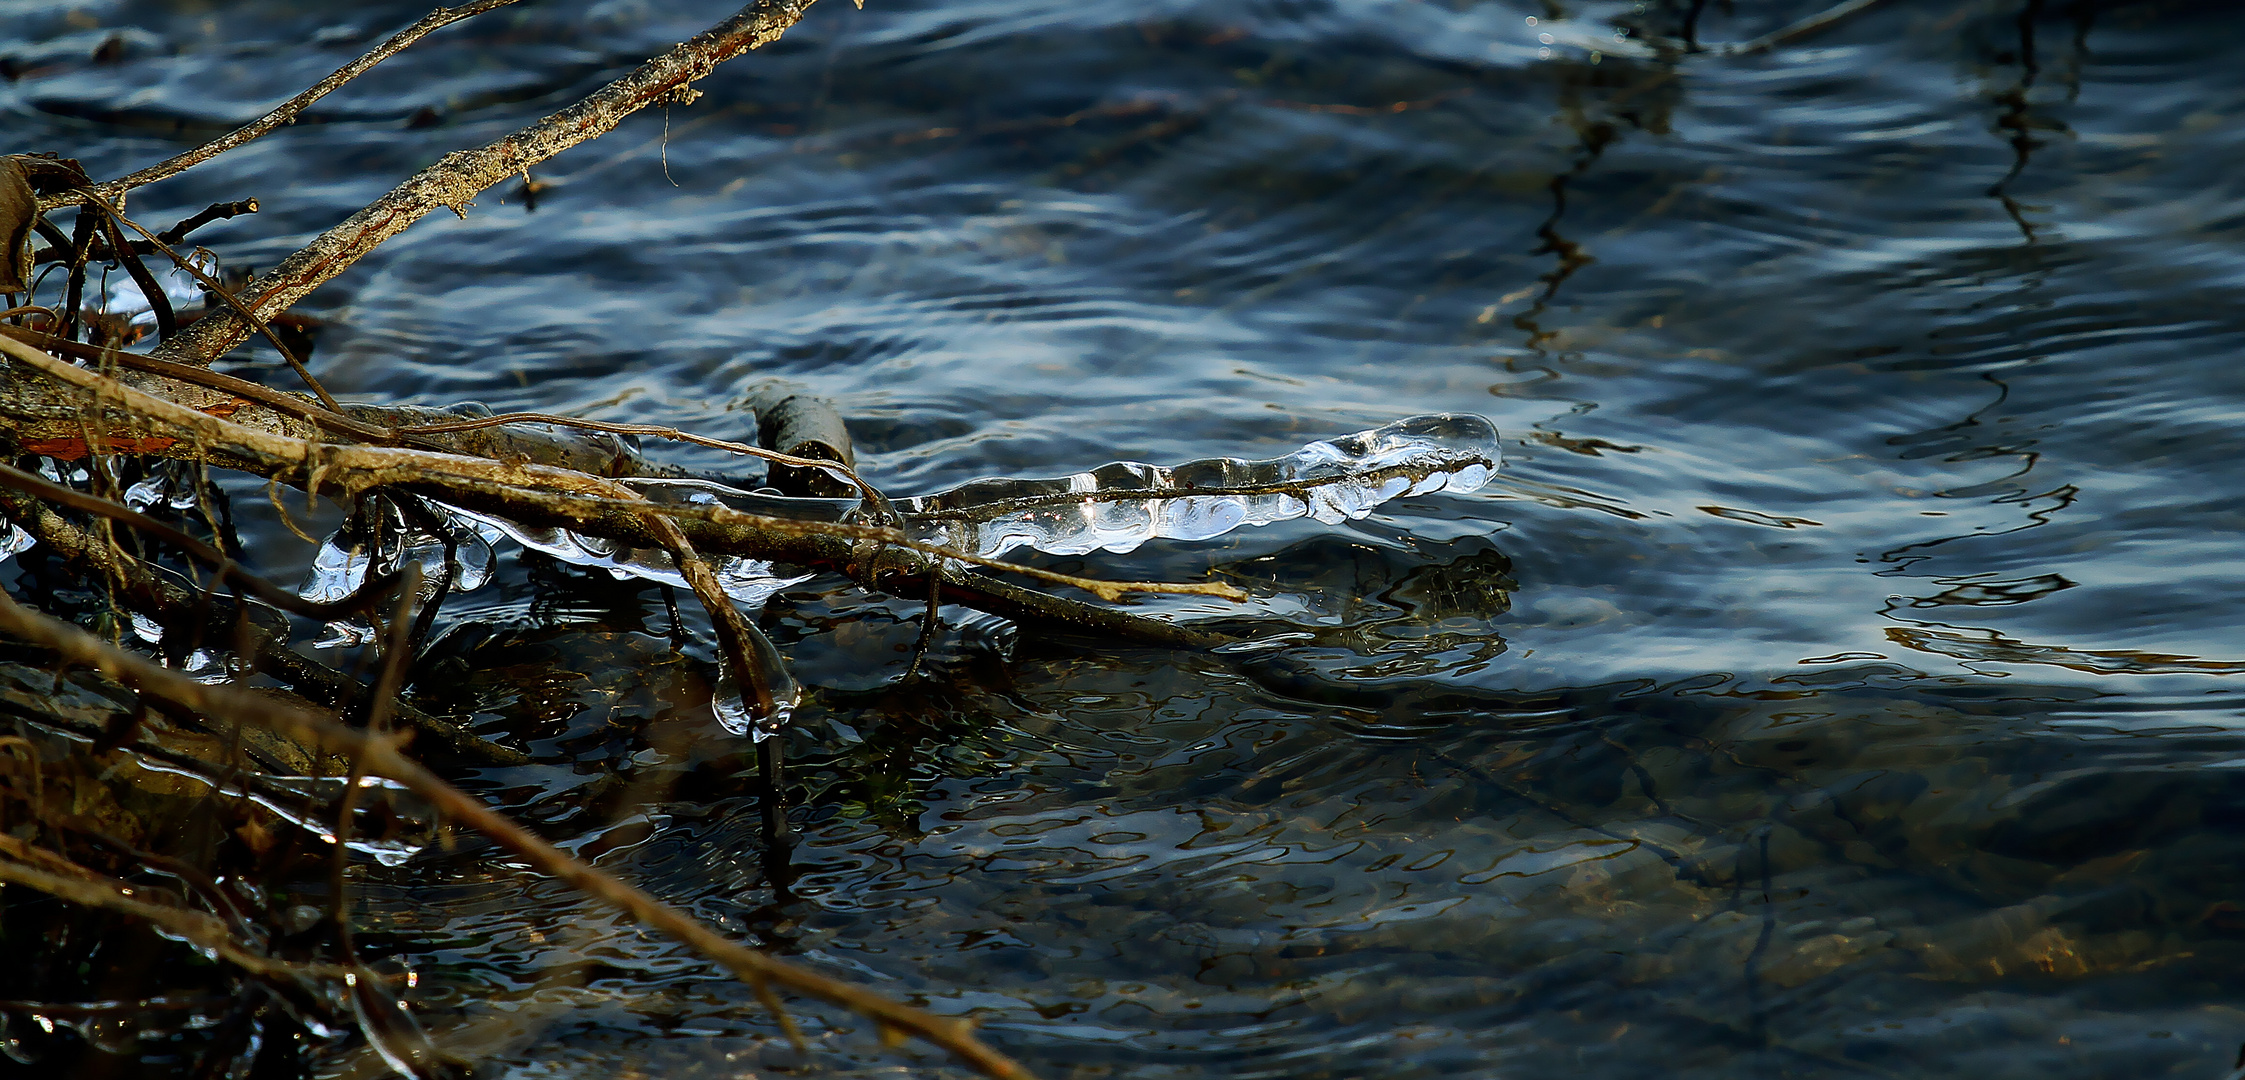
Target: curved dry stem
383	758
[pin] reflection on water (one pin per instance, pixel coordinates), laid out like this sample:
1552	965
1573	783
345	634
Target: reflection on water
1837	681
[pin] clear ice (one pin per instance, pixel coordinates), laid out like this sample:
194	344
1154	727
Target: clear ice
1117	507
340	566
749	582
126	298
14	541
163	485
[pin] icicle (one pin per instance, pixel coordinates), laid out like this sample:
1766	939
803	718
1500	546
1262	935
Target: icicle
145	494
168	484
1117	507
730	700
336	572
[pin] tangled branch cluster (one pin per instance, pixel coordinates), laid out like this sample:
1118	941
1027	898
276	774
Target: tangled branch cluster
93	415
89	421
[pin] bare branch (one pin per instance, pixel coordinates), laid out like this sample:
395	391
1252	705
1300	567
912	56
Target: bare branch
382	758
197	928
528	492
454	181
285	113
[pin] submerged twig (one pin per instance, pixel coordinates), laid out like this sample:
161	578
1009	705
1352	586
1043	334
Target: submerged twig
1796	31
200	929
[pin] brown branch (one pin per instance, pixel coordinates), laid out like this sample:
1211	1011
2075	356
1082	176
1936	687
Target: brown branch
286	112
382	758
528	492
202	930
233	303
226	568
213	212
455	180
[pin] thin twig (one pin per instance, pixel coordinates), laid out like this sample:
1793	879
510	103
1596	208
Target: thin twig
208	214
287	111
383	758
216	289
455	180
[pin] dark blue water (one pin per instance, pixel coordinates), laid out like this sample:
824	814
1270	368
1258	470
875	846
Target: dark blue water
1842	678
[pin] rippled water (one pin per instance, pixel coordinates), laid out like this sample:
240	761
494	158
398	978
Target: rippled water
1841	677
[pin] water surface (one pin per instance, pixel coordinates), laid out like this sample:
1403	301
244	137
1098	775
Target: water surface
1842	678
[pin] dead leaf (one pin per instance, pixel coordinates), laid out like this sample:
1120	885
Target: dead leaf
19	208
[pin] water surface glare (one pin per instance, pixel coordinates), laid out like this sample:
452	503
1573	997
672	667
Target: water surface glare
1840	678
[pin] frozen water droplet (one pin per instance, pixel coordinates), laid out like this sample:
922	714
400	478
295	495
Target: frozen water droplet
145	494
732	708
14	541
386	852
731	704
345	635
336	572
